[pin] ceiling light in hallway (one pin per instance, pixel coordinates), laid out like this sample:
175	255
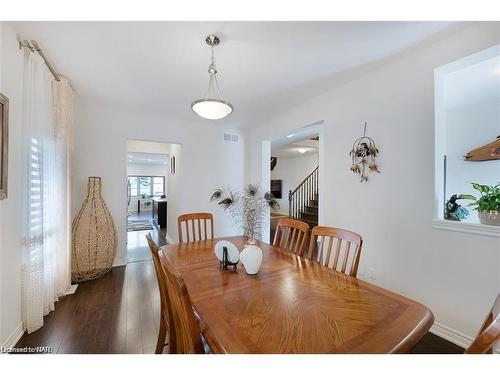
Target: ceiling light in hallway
212	107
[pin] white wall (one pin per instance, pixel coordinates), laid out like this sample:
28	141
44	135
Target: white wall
457	275
143	169
11	85
292	171
134	145
175	187
203	162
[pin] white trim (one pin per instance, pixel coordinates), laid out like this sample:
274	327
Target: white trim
71	289
458	338
14	337
472	228
473	59
451	335
120	262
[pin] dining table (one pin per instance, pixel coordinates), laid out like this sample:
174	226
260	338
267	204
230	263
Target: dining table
292	305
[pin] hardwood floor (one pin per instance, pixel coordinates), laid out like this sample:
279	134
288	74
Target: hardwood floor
117	313
137	247
137	250
120	313
432	344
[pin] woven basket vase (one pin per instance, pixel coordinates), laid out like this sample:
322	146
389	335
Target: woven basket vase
93	236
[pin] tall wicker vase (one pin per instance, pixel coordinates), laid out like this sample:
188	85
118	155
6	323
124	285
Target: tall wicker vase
93	236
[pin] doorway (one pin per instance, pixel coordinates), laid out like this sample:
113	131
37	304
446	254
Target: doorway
294	175
148	174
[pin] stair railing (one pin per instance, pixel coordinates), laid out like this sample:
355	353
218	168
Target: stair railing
299	197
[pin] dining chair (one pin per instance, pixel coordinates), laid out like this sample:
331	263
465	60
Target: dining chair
489	334
166	321
291	235
194	229
187	331
346	246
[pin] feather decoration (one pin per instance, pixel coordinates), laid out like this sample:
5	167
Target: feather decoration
363	154
247	207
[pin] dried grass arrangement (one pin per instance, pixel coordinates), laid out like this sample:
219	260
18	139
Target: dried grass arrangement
363	154
247	207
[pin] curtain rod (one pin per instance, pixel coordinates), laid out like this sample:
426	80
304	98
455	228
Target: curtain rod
34	47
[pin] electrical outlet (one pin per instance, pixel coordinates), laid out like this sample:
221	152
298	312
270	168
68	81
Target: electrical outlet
371	273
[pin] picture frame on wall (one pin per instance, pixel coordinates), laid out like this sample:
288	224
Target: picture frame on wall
4	144
276	186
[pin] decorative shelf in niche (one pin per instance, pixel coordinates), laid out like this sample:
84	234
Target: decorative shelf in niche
465	227
467	108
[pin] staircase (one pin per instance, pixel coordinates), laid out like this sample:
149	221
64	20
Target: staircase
304	200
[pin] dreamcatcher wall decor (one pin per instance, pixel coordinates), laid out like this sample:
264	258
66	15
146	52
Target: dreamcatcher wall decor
363	153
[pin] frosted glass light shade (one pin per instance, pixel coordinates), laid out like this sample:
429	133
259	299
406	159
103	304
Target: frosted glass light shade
212	109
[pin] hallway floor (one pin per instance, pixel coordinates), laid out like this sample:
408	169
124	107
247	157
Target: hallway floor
137	247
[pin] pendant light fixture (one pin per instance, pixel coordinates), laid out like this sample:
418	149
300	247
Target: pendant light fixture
212	107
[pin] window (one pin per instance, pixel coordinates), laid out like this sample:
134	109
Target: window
158	184
37	191
146	185
133	185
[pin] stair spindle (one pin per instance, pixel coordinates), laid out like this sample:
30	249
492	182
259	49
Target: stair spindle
300	200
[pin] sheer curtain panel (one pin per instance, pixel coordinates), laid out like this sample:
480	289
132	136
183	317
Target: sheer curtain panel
62	110
44	248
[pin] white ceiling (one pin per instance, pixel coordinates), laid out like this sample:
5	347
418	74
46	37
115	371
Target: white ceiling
145	158
162	66
296	149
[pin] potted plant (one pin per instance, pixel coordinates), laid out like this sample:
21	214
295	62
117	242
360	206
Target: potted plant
488	204
248	208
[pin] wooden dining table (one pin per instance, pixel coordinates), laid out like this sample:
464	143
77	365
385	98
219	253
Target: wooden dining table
293	305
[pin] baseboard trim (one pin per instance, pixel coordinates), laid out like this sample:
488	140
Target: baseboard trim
120	262
14	337
447	333
455	337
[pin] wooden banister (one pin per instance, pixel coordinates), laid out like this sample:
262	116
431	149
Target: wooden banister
304	180
302	195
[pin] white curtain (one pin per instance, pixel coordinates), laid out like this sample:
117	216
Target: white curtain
45	251
62	110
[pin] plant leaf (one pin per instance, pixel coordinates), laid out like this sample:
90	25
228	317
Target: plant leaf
467	196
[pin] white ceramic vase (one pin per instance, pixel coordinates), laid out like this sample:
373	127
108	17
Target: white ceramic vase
251	258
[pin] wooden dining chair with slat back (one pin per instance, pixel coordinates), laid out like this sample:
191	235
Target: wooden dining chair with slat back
187	330
291	235
489	334
166	319
335	248
195	230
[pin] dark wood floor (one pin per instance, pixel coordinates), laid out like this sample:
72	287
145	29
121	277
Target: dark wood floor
119	313
432	344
